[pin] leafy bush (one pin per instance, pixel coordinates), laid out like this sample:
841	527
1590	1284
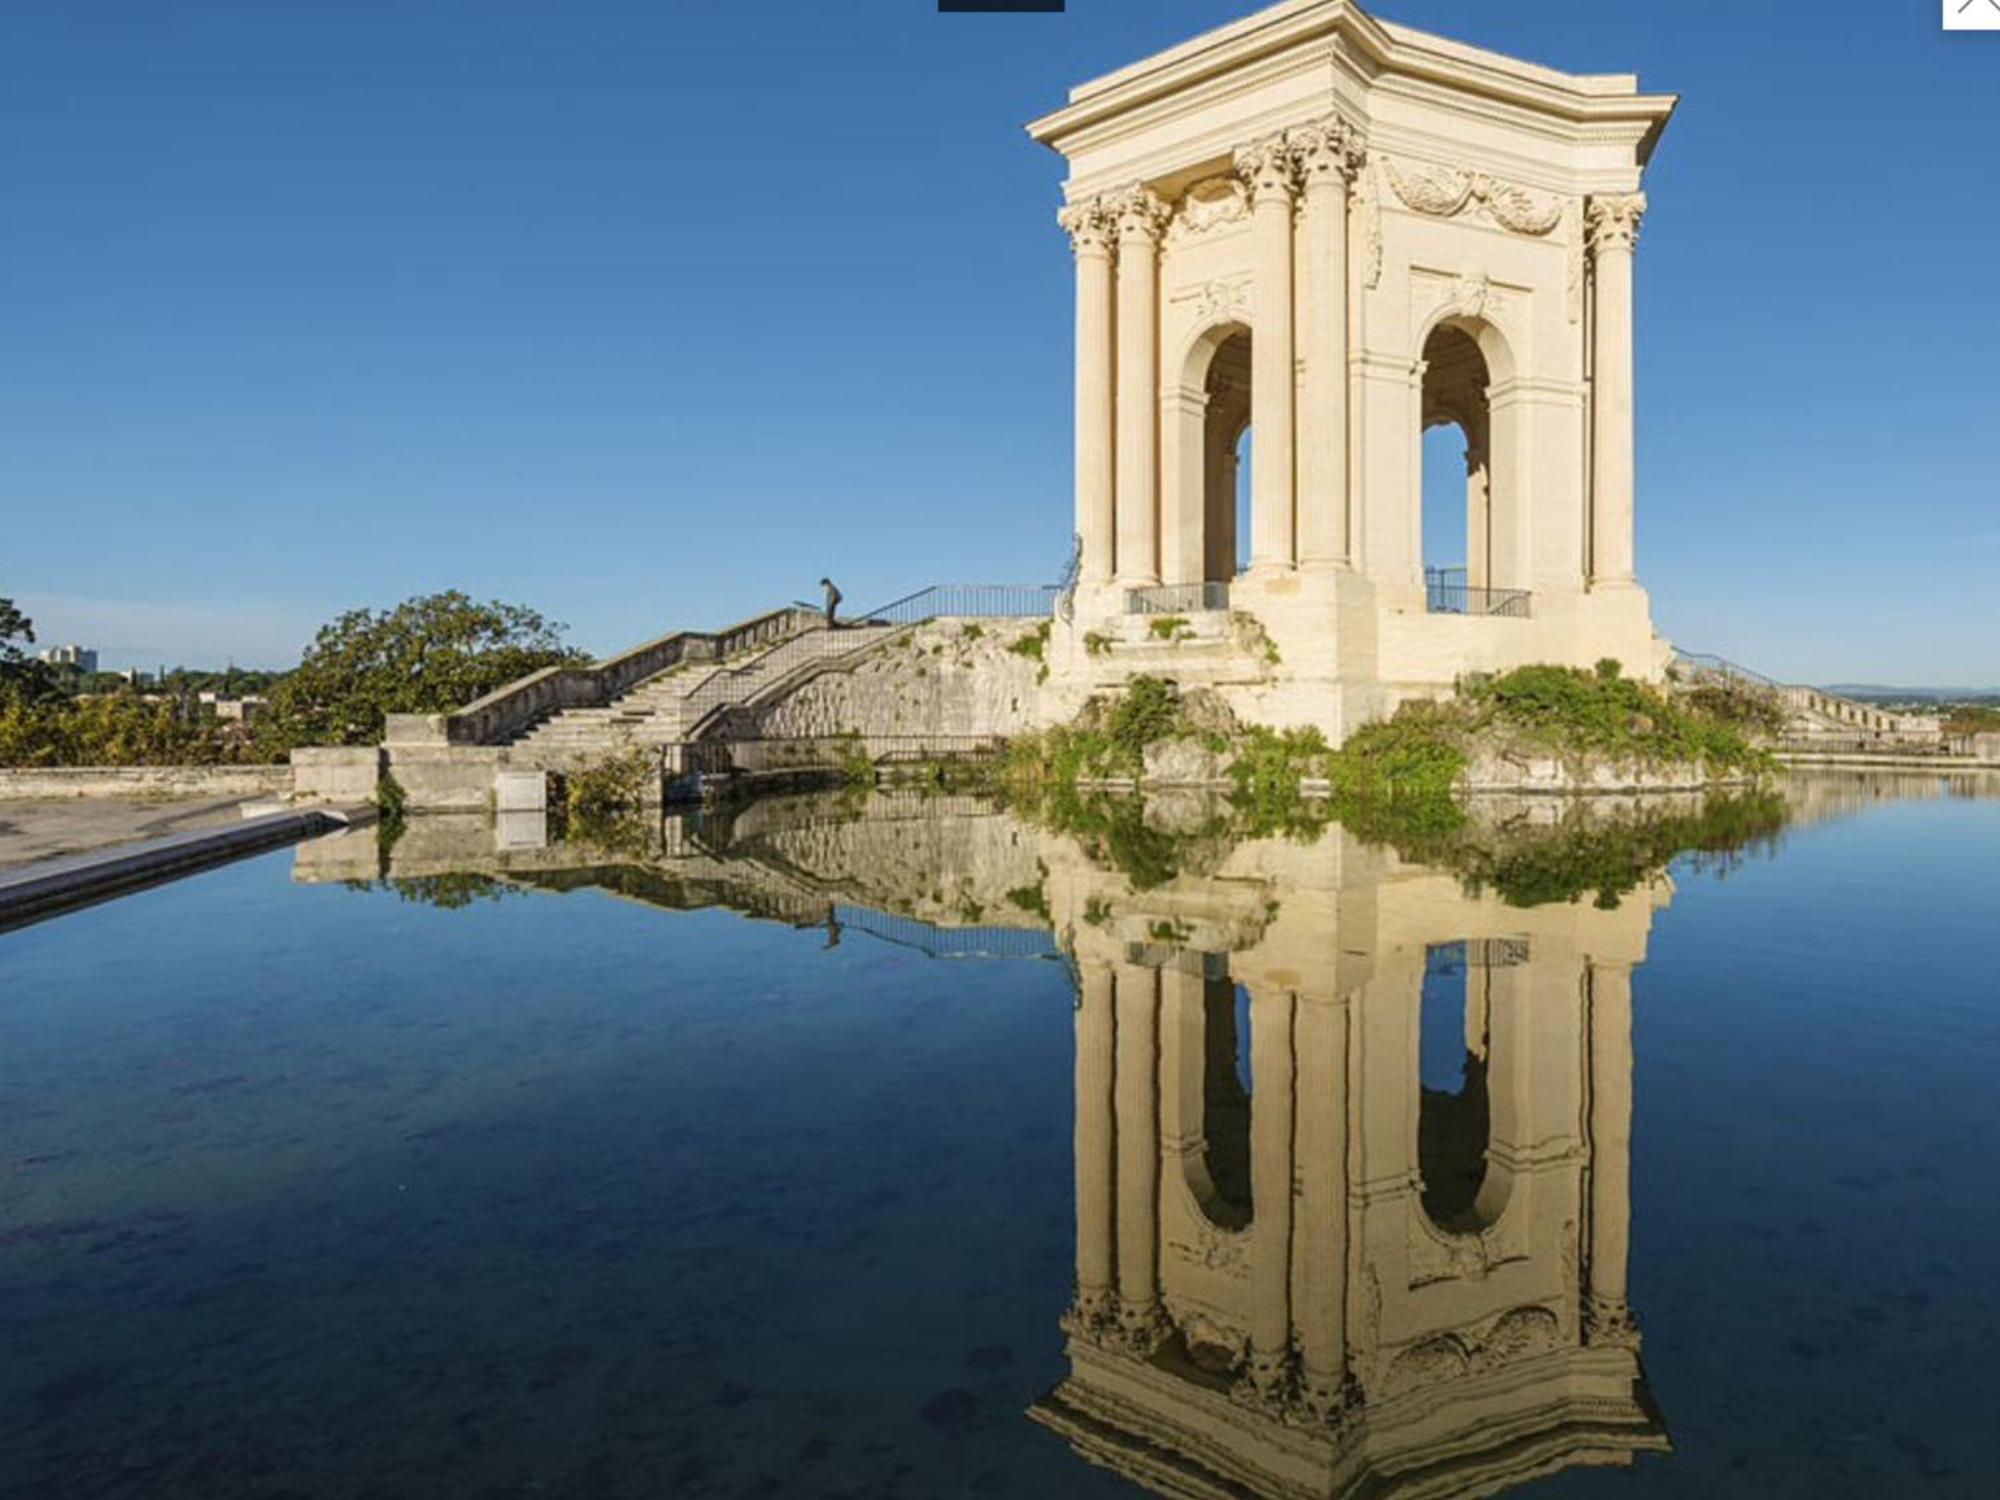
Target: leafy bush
121	729
612	785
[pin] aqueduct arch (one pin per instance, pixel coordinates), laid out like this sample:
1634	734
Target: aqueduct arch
1376	214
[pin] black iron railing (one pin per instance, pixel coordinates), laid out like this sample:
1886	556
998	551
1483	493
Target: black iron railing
1446	592
1006	601
1177	599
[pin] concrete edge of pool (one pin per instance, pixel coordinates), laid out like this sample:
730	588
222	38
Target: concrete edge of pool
50	887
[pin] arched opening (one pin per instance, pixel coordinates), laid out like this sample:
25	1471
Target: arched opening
1225	1104
1226	456
1456	481
1455	1111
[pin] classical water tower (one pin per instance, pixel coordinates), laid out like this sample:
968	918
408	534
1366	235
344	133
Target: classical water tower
1301	240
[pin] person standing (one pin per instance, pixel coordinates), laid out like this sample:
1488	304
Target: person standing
832	602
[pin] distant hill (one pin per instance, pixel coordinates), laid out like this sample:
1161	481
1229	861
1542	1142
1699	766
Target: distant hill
1872	691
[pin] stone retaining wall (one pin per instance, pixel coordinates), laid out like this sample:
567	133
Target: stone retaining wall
35	782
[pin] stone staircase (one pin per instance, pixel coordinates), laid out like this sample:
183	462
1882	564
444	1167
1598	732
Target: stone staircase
678	704
1820	718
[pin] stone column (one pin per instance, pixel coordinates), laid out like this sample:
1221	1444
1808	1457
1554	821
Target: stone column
1327	159
1271	1069
1096	1136
1606	1309
1267	167
1319	1240
1614	229
1090	236
1137	1093
1140	213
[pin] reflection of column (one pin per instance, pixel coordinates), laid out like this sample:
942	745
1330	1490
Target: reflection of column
1137	1093
1327	158
1319	1265
1140	215
1610	1041
1614	229
1096	1035
1271	1068
1267	167
1090	233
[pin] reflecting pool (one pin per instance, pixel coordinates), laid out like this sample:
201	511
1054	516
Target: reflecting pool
906	1146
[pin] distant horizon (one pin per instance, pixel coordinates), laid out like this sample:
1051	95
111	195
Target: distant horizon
313	310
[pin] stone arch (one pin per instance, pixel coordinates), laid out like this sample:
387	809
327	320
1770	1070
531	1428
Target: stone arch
1464	1183
1468	379
1217	1169
1210	416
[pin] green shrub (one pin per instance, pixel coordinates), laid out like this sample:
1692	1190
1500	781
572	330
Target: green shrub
615	784
1034	644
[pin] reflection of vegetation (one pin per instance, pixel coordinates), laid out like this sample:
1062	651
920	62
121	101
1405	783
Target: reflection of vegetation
1587	852
1033	899
1113	831
609	830
1533	865
448	892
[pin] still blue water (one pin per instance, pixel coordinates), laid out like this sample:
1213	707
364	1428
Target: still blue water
309	1190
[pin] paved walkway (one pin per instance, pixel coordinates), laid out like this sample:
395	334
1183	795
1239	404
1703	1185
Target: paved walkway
48	829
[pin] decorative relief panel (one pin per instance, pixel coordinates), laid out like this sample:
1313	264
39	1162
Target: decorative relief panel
1471	294
1211	204
1446	192
1218	300
1516	1334
1368	217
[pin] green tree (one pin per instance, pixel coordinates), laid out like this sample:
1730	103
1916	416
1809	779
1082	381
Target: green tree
22	678
427	655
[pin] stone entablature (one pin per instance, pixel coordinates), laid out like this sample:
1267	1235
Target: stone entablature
1338	232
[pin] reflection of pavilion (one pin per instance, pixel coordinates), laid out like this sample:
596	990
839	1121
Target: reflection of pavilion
1299	1270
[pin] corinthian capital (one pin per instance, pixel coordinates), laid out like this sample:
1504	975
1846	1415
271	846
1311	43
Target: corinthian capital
1089	225
1613	221
1267	167
1140	212
1326	152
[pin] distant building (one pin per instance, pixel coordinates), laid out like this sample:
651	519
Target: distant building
83	658
234	710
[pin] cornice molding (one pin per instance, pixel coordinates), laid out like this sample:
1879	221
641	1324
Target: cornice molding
1368	47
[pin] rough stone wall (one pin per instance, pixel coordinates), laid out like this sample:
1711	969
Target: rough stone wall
948	679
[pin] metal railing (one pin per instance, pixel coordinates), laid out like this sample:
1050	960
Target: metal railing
1447	592
1177	599
934	941
986	601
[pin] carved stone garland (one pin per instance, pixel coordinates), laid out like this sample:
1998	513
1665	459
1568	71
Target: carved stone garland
1445	192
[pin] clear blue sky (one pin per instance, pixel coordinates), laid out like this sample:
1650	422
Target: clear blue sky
650	313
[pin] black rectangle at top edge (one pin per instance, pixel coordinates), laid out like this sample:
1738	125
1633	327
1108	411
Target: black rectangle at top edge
949	7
